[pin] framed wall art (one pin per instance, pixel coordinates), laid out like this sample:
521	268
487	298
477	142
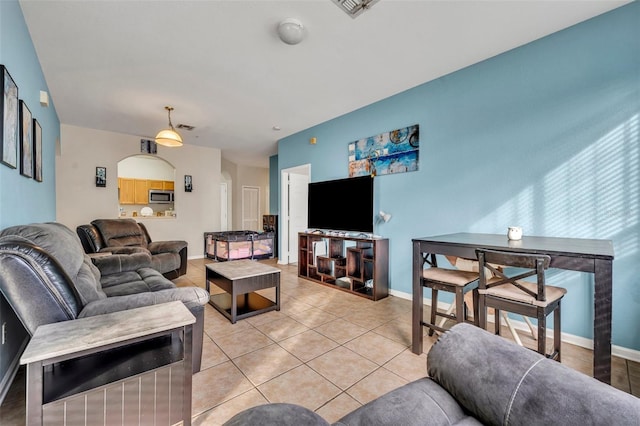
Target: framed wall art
148	146
391	152
37	151
9	129
188	183
101	177
26	141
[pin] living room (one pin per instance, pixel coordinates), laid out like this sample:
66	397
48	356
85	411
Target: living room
556	155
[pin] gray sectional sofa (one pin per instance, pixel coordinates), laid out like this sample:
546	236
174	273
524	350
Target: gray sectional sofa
478	378
46	277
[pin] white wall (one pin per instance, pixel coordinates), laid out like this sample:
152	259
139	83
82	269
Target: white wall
79	201
146	166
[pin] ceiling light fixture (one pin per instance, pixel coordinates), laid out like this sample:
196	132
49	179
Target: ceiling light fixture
354	8
291	31
169	137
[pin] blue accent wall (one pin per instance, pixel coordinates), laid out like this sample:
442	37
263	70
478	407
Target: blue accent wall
545	136
23	200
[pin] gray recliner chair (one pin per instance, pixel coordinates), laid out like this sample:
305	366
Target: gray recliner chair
477	378
126	236
46	277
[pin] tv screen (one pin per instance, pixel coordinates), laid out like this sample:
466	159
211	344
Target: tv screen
342	205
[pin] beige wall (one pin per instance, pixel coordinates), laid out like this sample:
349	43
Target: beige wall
246	176
79	201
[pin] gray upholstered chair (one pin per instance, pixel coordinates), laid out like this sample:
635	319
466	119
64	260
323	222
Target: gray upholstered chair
476	378
507	290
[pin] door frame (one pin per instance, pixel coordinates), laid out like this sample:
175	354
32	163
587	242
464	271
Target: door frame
283	231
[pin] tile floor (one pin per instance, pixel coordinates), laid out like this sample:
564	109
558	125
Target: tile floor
326	350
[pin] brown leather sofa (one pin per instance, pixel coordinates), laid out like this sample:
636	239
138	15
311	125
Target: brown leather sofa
126	236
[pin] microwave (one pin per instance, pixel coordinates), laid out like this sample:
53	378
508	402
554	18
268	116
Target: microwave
160	197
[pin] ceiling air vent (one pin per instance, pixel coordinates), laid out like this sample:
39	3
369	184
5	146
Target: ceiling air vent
185	127
354	8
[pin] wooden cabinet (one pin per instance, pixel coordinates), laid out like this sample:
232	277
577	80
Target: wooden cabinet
155	184
136	191
355	265
127	190
141	191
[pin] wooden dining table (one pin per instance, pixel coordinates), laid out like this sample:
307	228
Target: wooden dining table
594	256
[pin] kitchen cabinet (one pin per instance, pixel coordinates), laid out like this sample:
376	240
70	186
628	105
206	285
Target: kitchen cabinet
141	191
136	191
127	190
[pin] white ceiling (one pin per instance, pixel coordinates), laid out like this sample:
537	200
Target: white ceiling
114	65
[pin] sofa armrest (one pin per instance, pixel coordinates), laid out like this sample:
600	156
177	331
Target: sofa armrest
124	250
503	383
157	247
117	263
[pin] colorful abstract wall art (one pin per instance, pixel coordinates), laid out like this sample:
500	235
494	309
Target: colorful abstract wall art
391	152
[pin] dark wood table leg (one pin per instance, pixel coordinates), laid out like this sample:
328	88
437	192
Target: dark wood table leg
602	320
234	303
416	329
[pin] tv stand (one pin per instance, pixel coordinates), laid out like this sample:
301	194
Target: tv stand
357	265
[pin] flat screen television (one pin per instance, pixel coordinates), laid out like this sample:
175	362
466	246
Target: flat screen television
341	205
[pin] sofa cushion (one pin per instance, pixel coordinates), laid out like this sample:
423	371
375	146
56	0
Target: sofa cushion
165	262
54	238
120	232
192	297
501	383
277	414
64	246
88	282
422	402
132	282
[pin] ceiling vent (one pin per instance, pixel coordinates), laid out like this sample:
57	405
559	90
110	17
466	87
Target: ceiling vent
354	8
185	127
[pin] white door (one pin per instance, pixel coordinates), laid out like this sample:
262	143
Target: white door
251	208
224	221
298	203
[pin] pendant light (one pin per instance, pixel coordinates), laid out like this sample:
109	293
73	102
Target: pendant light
169	137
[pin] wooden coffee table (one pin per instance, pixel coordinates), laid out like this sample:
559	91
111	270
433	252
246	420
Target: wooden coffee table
240	279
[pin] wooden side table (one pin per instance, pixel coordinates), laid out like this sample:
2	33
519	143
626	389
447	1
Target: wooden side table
129	367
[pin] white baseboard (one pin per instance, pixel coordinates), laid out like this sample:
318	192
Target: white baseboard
198	256
619	351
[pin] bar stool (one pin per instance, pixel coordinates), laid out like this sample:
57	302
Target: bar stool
453	281
509	291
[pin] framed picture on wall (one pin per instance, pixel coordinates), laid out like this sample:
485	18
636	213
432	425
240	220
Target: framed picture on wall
188	183
37	151
101	177
9	130
26	141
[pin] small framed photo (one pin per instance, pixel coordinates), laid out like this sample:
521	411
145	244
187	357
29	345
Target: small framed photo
188	183
37	151
148	146
9	129
26	141
101	177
